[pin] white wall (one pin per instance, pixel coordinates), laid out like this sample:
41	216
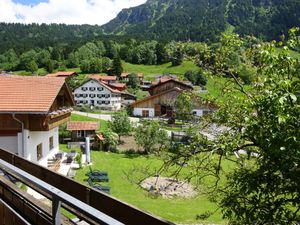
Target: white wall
114	98
9	143
197	112
34	138
139	111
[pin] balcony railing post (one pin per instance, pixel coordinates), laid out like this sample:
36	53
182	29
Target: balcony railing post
56	204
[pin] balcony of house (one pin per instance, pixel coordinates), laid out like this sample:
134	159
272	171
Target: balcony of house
86	204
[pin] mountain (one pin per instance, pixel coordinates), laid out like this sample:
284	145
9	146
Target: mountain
203	20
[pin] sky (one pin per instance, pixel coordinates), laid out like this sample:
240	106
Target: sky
63	11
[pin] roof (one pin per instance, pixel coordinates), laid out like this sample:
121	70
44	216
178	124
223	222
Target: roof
103	83
166	80
82	125
28	94
155	96
117	85
61	74
103	77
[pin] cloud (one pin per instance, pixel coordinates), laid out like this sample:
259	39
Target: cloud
65	11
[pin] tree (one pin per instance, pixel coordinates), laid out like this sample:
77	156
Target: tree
150	136
85	66
27	58
31	66
110	140
106	63
120	124
133	81
43	57
117	66
184	106
51	65
10	60
95	66
73	60
262	187
269	119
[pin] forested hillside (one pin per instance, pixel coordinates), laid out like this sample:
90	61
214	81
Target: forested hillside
204	20
179	20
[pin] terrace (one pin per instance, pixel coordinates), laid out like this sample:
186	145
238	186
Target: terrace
88	204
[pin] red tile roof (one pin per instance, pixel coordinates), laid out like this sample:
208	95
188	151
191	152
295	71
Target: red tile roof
103	77
61	74
28	94
118	86
82	125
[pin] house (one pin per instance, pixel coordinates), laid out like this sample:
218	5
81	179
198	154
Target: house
125	76
31	110
82	129
156	105
62	74
163	94
162	104
127	98
104	78
145	85
96	93
165	84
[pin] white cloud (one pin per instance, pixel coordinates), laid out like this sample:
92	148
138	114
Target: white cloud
65	11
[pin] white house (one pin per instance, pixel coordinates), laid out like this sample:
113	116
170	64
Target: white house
31	109
96	93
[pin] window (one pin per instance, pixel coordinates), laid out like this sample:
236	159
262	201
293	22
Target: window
100	88
92	89
51	144
92	95
84	88
80	133
39	151
194	113
145	113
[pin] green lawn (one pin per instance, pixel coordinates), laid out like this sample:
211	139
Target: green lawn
176	210
154	70
103	123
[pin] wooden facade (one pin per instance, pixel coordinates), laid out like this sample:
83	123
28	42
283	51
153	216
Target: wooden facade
162	103
32	122
168	85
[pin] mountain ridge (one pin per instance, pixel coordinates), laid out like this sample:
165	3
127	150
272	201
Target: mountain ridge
204	20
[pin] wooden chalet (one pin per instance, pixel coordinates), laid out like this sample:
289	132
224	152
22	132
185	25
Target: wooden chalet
167	84
157	105
31	109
